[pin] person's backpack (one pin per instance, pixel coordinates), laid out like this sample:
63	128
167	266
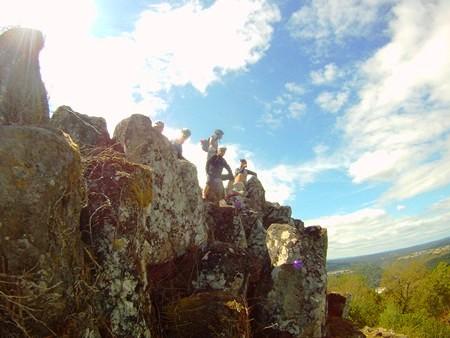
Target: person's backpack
205	144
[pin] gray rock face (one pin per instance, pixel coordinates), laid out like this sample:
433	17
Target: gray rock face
113	225
297	298
86	131
23	98
41	194
177	218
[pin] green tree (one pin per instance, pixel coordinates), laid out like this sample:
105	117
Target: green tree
434	295
403	281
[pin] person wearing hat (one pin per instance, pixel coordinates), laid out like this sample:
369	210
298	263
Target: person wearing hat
178	143
213	143
159	126
214	191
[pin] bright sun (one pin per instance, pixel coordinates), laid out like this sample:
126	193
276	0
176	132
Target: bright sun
52	17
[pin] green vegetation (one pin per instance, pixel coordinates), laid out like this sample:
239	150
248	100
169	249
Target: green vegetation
413	299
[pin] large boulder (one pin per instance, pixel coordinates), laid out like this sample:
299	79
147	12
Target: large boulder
86	131
113	224
41	195
177	217
23	98
296	301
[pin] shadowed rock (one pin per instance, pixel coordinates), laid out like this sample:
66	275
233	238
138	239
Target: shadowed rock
23	98
208	314
41	194
86	131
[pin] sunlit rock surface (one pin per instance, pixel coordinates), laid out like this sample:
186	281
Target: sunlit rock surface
23	98
177	218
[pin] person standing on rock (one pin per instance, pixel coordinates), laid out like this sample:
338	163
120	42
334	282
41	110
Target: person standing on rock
213	143
214	191
159	126
178	143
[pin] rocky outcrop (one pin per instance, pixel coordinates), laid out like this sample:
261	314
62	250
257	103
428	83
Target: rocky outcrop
41	195
86	131
107	243
296	301
176	221
23	98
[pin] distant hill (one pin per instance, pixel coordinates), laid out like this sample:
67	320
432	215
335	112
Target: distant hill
431	252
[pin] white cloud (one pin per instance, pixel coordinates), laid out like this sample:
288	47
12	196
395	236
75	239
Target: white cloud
398	130
328	74
326	21
400	207
296	110
372	230
332	102
170	46
285	106
294	88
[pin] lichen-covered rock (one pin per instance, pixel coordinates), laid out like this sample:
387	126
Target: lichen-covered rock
296	302
86	131
225	225
23	98
113	224
177	218
208	314
283	244
223	267
41	195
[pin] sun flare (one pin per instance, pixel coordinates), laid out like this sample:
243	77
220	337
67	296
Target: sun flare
52	17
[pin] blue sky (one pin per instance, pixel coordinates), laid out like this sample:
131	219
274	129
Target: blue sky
342	107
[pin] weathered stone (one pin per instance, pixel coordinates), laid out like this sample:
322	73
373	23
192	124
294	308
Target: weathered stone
223	267
113	224
283	244
208	314
177	219
275	213
41	194
23	98
297	299
86	131
256	199
225	225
